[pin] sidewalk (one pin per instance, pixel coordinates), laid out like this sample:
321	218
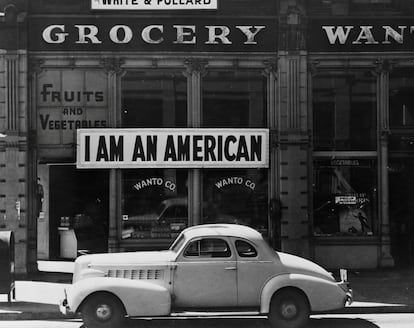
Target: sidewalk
37	298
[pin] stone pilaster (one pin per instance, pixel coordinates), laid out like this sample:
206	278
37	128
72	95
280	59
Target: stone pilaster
14	201
382	72
195	70
113	67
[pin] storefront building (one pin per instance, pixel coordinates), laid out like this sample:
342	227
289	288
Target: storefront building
121	125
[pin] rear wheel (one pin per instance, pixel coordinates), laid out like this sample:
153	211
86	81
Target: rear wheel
103	311
289	308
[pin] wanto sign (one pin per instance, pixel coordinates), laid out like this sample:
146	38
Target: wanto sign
189	148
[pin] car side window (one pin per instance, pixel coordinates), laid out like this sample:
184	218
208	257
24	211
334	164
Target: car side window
209	247
245	249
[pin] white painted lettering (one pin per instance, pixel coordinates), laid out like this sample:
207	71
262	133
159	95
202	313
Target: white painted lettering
365	34
250	35
223	32
337	33
183	31
58	34
146	34
88	34
390	32
114	34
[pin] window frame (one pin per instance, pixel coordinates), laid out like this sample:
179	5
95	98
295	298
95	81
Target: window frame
203	255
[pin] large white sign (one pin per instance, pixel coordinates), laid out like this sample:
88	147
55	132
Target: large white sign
185	148
153	4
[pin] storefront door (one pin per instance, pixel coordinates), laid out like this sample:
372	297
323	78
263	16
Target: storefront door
401	190
78	213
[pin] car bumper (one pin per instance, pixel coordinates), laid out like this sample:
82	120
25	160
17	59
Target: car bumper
64	306
349	296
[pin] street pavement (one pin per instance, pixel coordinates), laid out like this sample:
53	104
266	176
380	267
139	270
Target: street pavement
375	291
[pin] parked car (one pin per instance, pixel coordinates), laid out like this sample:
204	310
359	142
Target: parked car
208	267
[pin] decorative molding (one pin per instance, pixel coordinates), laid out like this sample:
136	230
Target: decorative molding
313	67
271	66
12	92
384	66
293	93
293	29
36	66
113	65
196	65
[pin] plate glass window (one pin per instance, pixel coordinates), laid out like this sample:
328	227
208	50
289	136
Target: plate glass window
235	100
154	201
344	111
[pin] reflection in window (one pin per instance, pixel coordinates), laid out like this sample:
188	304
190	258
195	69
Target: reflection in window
345	197
234	99
154	203
154	99
236	196
344	111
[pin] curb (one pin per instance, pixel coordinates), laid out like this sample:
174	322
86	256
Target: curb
54	315
35	316
32	311
373	309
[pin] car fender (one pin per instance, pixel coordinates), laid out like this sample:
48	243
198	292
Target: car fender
322	294
140	298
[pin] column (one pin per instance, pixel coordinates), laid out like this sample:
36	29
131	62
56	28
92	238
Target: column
275	211
383	68
195	69
113	68
294	136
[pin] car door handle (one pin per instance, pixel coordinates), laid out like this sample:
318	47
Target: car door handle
230	268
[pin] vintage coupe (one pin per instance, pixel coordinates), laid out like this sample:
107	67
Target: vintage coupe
216	267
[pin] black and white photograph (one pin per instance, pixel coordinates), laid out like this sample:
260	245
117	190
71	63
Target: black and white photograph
206	163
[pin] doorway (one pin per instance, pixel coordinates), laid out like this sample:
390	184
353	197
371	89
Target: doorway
78	201
401	197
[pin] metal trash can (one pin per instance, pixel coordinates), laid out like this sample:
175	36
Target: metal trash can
7	264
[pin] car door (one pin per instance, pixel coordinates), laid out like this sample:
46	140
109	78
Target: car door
253	271
206	275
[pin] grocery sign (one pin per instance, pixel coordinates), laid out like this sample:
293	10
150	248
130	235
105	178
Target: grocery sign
152	4
189	148
116	33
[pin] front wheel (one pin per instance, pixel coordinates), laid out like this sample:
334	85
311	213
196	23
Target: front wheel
289	308
103	311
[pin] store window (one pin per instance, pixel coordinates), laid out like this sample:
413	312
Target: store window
235	99
154	201
401	98
345	197
154	99
344	111
236	196
401	110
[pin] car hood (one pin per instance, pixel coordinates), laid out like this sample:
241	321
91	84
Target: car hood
296	264
119	261
128	258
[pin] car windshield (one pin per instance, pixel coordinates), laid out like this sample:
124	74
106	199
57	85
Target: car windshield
176	246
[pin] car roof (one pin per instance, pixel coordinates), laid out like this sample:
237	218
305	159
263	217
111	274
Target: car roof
228	230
